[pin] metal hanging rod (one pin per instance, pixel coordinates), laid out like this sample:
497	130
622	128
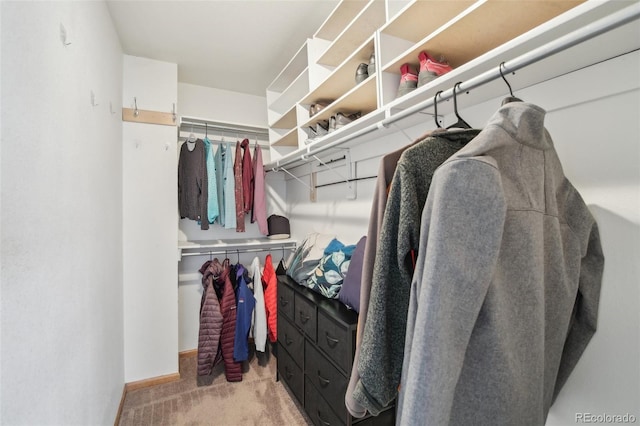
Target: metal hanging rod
189	123
560	44
238	251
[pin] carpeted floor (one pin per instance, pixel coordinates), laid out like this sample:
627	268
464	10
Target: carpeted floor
257	400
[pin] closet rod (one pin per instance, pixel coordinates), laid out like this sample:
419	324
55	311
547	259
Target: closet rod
560	44
238	251
187	124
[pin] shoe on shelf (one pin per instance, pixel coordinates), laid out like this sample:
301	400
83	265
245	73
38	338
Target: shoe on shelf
362	73
371	68
408	80
312	135
342	120
430	69
332	123
322	128
317	107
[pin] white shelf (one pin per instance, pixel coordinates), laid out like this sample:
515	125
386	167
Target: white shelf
205	247
292	94
291	71
340	17
537	54
360	29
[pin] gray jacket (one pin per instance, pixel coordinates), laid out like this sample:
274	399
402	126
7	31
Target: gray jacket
505	294
379	359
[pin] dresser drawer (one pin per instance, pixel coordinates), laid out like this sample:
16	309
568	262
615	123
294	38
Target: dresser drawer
329	382
290	339
306	316
285	300
318	409
291	374
387	417
336	340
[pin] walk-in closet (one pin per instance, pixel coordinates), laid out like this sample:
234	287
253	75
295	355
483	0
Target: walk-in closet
322	212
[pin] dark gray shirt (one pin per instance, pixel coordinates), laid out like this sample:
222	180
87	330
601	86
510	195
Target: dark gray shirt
193	183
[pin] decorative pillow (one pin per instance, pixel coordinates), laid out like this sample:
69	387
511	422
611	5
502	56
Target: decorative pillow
328	276
307	256
350	291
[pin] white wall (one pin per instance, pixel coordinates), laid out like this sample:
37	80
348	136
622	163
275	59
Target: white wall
592	115
230	107
62	331
150	206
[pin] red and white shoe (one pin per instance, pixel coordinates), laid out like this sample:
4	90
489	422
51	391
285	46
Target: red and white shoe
408	80
430	69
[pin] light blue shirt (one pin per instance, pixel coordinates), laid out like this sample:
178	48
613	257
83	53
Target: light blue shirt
212	204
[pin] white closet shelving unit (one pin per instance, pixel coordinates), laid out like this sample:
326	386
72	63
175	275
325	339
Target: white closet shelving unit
228	131
398	31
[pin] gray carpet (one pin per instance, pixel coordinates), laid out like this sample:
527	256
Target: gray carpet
257	400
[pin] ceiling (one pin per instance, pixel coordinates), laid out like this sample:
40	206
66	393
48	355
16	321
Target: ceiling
239	45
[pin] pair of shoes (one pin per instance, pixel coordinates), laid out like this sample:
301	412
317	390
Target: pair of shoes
340	120
430	69
317	107
319	130
408	80
365	70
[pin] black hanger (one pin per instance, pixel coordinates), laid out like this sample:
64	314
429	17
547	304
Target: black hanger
510	98
435	109
461	124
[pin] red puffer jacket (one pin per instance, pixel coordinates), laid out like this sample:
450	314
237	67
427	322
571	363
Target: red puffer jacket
210	323
270	284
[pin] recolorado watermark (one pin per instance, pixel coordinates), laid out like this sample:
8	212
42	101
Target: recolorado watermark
605	418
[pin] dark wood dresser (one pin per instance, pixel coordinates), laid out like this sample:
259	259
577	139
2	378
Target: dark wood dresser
316	346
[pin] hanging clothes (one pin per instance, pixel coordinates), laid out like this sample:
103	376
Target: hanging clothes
237	173
229	189
382	344
222	284
210	323
219	166
507	284
259	213
386	170
193	183
247	177
270	283
212	194
259	313
244	311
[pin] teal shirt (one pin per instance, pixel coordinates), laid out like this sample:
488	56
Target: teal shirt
213	209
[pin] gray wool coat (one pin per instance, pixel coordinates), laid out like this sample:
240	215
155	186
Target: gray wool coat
505	294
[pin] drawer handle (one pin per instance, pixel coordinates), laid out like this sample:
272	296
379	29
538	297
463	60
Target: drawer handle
323	382
287	341
331	341
283	301
288	373
321	420
304	318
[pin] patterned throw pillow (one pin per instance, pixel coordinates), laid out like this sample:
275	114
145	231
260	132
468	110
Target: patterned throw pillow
307	256
327	278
